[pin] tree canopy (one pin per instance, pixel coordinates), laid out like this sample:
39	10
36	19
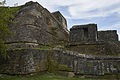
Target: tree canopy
5	14
3	2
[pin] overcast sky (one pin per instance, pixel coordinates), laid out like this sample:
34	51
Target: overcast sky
105	13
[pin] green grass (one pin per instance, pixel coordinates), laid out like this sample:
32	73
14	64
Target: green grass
46	48
39	77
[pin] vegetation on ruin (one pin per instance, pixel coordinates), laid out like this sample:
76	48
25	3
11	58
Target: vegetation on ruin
41	48
45	47
96	49
6	16
52	64
56	77
63	67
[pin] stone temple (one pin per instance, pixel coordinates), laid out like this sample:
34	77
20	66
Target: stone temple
81	33
40	42
109	35
89	33
60	18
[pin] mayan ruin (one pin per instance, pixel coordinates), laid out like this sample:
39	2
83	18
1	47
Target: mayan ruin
41	42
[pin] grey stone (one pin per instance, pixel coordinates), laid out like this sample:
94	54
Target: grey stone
71	74
26	61
109	35
83	33
35	24
60	18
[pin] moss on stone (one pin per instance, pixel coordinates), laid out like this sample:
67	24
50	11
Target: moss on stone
63	67
41	48
42	66
90	64
98	49
45	48
52	64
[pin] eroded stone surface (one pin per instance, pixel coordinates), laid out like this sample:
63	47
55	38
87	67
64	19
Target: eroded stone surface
96	48
109	35
60	18
35	24
83	33
28	61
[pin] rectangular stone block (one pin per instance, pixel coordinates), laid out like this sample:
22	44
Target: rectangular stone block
109	35
80	33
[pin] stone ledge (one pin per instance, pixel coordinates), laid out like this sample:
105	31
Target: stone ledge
82	26
86	43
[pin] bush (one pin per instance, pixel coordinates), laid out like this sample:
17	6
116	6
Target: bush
5	14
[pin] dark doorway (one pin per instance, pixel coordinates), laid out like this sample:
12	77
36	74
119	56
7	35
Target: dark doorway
85	34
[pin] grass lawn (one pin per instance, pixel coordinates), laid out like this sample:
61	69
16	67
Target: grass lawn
38	77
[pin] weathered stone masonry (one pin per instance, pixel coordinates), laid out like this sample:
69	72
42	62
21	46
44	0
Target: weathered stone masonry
29	61
36	27
60	18
109	35
86	33
89	33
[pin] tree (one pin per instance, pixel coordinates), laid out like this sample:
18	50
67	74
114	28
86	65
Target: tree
3	3
5	14
3	28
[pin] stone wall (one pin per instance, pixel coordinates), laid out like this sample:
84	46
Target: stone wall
27	61
96	48
83	33
36	25
96	67
109	35
89	65
60	18
24	61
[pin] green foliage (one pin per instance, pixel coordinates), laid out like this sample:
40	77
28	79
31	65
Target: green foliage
39	77
3	2
52	64
46	48
63	67
41	48
5	14
55	77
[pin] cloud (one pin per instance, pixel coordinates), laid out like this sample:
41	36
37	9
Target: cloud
20	2
111	27
115	26
79	9
83	9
